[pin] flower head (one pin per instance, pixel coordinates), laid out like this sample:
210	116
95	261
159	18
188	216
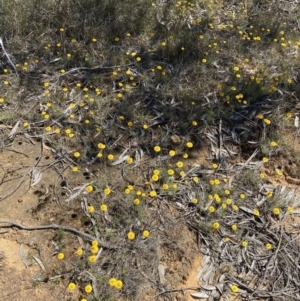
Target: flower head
146	233
211	209
131	235
215	225
71	286
268	246
79	252
155	178
269	194
244	243
234	227
152	193
129	160
92	258
112	282
89	188
171	172
288	115
235	207
107	191
165	186
90	209
228	201
136	202
118	284
88	289
95	243
256	212
103	207
76	154
214	165
101	145
234	288
179	164
110	157
189	144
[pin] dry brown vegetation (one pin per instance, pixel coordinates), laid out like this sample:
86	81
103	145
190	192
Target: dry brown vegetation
146	135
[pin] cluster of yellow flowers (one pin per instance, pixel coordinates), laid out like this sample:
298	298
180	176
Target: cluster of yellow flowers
113	282
131	234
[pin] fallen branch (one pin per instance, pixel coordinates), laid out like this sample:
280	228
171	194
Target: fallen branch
55	226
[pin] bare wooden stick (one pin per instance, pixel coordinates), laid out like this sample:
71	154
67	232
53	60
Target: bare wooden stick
55	226
7	55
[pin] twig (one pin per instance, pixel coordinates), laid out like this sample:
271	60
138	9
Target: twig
7	55
55	226
172	291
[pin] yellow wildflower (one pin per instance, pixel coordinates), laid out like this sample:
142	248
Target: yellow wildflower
129	160
189	144
89	188
269	194
79	252
112	282
155	178
110	157
234	227
234	288
76	154
256	212
94	249
215	225
88	289
268	246
211	209
118	284
171	172
103	207
136	202
107	191
273	143
71	286
152	193
146	233
90	209
92	258
131	235
172	153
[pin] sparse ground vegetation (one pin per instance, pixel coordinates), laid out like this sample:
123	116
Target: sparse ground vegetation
157	113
